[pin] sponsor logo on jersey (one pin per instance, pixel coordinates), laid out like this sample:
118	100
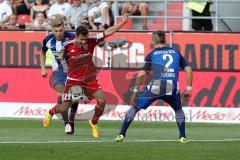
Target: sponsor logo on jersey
80	56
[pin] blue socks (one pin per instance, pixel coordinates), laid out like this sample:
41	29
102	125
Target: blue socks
180	118
128	120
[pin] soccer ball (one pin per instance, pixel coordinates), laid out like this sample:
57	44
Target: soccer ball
77	94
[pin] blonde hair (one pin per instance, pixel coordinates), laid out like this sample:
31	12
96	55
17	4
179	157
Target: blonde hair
57	22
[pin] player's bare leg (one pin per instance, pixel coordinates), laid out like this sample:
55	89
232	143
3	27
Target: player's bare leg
59	89
73	111
99	109
68	120
68	127
180	119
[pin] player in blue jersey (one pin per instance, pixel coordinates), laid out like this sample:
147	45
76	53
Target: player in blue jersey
165	63
55	43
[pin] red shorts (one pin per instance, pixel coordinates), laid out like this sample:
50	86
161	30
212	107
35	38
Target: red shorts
89	87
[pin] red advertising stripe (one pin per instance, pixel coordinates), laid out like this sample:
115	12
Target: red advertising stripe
25	85
212	89
204	51
20	48
219	50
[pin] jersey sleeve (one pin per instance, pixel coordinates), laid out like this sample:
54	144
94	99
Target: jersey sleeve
98	38
148	63
44	45
65	53
65	50
71	36
182	62
67	45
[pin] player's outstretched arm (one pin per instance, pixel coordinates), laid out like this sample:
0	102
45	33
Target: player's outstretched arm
42	64
188	69
115	28
187	94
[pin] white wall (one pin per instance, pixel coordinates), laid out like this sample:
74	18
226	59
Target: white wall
230	10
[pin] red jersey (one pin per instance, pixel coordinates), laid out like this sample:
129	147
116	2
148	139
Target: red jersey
79	58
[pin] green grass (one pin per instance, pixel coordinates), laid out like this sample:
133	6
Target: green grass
32	131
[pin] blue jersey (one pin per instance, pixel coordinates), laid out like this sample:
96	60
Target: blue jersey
57	48
165	63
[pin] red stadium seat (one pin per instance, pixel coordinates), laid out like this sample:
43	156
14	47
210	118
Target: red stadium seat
23	18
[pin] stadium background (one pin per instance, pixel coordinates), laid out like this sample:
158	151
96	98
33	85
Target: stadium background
213	56
25	96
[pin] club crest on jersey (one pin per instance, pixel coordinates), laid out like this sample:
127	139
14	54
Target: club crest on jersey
85	47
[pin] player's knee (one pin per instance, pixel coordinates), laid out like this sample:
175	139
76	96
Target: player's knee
101	101
131	113
64	107
59	94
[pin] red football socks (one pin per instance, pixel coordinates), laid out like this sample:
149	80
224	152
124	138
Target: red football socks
98	112
52	111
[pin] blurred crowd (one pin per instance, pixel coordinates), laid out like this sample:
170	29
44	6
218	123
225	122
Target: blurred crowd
37	14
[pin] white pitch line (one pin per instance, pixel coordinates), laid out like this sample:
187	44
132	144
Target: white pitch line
127	141
215	140
53	142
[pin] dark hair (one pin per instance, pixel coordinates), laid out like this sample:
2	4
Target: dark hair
35	3
44	14
159	37
81	29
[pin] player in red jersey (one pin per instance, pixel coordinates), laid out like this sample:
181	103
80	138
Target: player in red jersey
82	83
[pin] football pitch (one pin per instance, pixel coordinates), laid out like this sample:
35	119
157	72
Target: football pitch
28	140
